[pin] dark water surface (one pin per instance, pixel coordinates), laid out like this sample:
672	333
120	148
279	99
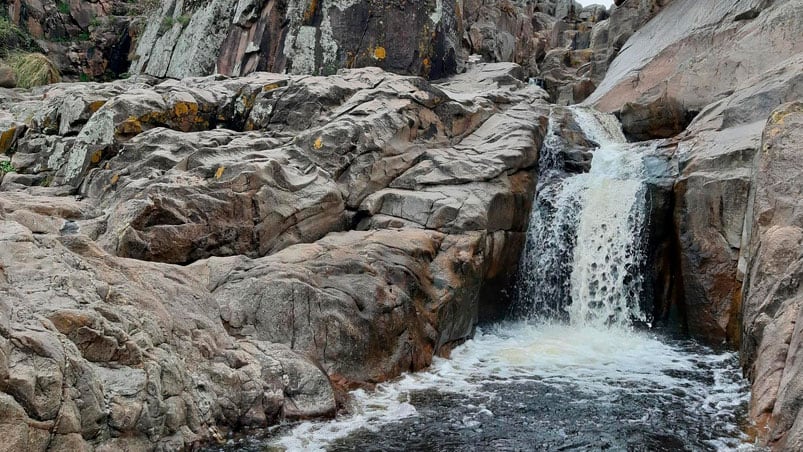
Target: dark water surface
520	387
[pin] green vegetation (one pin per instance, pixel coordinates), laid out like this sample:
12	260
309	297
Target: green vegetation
64	7
167	24
6	167
12	37
33	69
169	21
95	22
83	36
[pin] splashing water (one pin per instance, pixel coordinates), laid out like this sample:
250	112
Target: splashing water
584	247
521	386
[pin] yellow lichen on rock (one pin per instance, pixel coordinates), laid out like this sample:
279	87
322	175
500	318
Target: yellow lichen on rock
380	53
7	139
219	172
96	156
130	126
318	144
182	109
95	106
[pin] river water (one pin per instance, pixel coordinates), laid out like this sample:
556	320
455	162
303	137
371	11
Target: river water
572	372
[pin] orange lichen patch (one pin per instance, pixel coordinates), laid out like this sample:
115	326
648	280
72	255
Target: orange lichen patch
271	87
309	14
248	100
778	116
380	53
181	109
96	156
318	144
219	172
130	126
7	139
95	106
115	178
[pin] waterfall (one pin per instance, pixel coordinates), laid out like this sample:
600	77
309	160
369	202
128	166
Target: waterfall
579	378
584	251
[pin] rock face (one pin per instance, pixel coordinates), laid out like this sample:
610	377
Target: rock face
300	36
657	87
567	46
187	257
773	327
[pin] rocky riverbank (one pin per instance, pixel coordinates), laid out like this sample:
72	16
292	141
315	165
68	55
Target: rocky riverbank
182	258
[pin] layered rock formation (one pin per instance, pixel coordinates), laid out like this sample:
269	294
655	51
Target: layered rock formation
184	257
302	37
772	324
566	45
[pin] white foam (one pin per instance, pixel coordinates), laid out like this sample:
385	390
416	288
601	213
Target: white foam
598	362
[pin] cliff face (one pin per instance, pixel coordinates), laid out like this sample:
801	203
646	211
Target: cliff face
561	42
301	36
88	40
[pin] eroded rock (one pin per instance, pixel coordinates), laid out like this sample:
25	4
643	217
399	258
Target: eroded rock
182	258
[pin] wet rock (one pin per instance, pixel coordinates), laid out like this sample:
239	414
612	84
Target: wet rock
652	117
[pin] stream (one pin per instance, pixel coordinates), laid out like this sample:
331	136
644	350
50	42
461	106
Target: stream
575	369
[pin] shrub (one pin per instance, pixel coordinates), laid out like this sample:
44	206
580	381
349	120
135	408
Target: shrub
33	69
63	7
6	167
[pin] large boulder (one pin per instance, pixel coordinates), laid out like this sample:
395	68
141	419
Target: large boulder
699	52
7	77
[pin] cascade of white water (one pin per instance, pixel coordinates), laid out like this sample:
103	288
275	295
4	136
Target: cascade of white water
584	251
557	385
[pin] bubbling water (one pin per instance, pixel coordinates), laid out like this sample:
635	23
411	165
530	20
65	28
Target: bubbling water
584	251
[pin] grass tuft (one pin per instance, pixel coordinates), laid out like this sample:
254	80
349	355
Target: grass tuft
6	167
33	69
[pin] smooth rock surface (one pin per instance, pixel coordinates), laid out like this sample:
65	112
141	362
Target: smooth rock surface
772	345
